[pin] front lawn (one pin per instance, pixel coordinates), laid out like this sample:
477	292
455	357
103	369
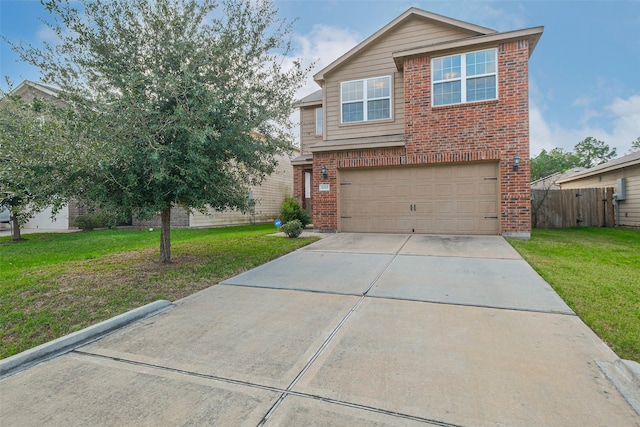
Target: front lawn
55	284
597	273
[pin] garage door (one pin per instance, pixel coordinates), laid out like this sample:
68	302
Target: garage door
451	199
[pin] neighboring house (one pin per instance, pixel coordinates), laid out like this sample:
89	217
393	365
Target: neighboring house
550	182
64	218
419	129
268	196
623	174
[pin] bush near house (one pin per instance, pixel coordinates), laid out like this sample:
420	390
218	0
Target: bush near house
292	228
291	210
96	220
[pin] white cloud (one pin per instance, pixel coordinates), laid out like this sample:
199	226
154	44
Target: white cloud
323	45
46	34
582	101
623	114
626	122
484	13
320	47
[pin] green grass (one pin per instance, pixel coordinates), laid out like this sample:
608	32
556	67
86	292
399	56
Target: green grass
597	273
55	284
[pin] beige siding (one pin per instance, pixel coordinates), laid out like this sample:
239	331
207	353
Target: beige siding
376	60
629	208
269	196
308	137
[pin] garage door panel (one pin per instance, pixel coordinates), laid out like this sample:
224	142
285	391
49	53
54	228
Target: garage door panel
450	199
424	190
466	189
487	188
487	225
424	208
466	207
443	190
486	170
403	190
487	208
443	207
466	226
385	208
443	173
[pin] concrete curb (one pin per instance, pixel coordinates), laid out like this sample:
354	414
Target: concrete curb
62	345
625	376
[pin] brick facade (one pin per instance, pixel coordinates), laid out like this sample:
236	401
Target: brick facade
482	131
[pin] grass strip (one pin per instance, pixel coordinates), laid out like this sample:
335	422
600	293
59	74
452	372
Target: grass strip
597	273
55	284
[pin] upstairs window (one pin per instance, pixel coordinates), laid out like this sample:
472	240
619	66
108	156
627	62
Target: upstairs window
366	100
464	78
318	121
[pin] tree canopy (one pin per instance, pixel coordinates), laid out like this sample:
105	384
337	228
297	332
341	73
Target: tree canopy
592	152
178	102
548	163
588	153
35	159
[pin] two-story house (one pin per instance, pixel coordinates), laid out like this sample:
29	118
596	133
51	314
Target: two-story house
421	128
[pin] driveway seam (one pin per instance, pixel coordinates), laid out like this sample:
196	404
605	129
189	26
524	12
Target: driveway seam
329	338
523	310
284	392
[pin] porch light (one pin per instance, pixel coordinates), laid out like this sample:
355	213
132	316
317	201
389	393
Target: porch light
516	162
323	169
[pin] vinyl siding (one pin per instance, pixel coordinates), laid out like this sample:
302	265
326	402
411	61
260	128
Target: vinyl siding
375	61
42	220
308	137
269	197
629	208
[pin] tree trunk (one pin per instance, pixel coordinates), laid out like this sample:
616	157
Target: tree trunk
165	235
15	230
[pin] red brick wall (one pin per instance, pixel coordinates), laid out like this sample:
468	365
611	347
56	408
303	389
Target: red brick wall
482	131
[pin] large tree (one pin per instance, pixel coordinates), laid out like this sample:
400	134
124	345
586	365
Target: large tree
548	163
635	145
35	159
592	152
180	102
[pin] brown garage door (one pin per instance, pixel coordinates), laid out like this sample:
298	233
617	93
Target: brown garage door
451	199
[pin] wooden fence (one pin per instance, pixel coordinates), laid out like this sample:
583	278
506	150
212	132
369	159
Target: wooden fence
588	207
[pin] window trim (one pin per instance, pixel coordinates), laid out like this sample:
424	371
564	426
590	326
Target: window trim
319	122
365	99
463	78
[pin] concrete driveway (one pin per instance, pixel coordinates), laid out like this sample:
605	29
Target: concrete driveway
354	330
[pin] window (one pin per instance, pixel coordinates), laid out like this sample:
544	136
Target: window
318	121
366	100
464	78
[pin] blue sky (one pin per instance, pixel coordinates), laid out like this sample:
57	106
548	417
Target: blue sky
584	74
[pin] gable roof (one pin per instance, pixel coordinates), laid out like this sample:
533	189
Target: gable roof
411	12
25	85
612	165
549	181
310	100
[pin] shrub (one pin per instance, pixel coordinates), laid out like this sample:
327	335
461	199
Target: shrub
96	220
292	228
291	210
